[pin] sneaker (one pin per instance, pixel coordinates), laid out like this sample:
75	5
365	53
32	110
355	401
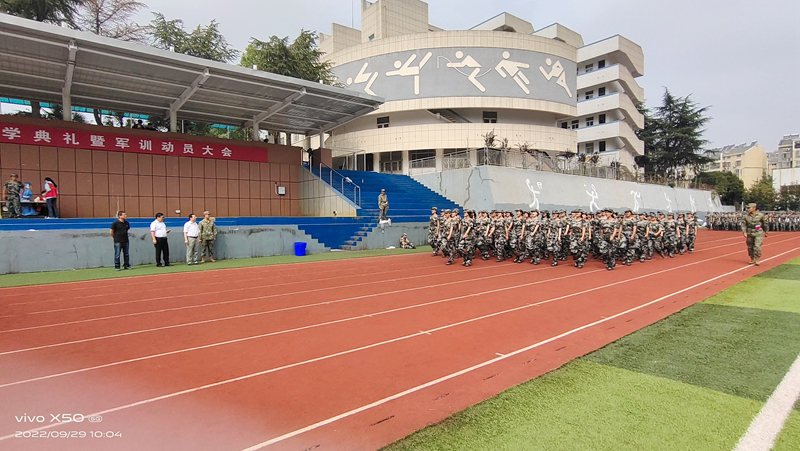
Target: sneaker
126	268
167	264
116	269
159	265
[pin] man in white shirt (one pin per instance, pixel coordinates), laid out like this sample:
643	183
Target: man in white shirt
158	230
191	231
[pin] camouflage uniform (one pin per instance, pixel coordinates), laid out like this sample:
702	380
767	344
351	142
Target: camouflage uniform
433	224
691	234
466	244
482	225
515	242
630	238
606	230
671	240
13	188
554	239
499	225
452	238
755	227
656	242
208	235
642	239
578	241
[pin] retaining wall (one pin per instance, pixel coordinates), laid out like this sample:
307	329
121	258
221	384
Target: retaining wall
490	187
51	250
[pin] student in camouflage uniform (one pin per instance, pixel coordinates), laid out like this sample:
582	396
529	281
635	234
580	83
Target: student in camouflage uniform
498	232
453	236
466	245
672	235
405	243
629	236
433	230
656	237
682	236
516	237
443	229
755	228
554	238
481	228
608	236
691	232
577	234
643	238
11	190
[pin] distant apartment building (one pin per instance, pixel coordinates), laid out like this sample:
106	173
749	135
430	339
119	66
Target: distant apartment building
784	163
444	90
747	161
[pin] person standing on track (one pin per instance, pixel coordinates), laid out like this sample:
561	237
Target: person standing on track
158	231
191	232
755	229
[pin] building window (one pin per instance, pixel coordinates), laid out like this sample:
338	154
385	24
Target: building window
590	121
371	37
601	119
589	94
574	124
490	117
589	147
383	122
565	125
601	92
601	146
797	145
601	64
796	154
589	67
738	163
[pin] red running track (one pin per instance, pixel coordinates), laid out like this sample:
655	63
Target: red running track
350	354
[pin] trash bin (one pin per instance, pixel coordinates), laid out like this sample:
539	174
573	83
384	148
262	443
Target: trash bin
300	249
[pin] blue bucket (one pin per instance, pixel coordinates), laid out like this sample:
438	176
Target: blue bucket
300	249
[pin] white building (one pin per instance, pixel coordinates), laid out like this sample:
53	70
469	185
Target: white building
785	162
444	90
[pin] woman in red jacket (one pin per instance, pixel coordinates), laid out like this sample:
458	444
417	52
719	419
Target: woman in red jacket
50	196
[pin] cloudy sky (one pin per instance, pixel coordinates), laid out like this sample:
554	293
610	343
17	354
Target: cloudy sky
742	59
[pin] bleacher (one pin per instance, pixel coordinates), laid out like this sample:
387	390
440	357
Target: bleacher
409	201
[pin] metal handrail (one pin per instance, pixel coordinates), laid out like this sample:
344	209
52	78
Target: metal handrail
346	185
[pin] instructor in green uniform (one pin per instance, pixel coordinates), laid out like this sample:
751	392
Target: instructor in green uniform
755	228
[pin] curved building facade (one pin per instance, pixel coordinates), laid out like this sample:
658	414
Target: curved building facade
446	90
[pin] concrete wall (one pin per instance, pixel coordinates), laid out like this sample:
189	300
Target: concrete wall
31	251
318	199
389	235
489	187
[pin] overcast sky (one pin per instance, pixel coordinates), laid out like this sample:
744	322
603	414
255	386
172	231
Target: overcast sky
740	58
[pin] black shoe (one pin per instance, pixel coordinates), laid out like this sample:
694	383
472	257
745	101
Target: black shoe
627	263
580	265
435	254
159	265
127	267
555	263
609	267
672	255
485	257
690	251
449	262
642	260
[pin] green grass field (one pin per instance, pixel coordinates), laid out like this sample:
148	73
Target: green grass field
78	275
693	381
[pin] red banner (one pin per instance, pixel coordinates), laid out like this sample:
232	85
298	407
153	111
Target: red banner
118	142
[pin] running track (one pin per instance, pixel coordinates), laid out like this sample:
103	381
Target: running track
344	355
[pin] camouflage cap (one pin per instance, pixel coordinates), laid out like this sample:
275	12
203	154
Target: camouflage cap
750	205
14	175
446	210
434	208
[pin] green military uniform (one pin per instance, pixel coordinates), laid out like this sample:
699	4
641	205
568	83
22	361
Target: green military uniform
755	228
383	204
12	189
208	235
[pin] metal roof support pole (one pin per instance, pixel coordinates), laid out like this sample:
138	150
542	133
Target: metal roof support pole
66	91
184	97
256	130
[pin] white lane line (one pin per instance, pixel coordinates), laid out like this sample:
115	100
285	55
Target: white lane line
224	282
486	363
373	345
202	274
285	331
212	304
767	425
231	290
234	301
264	312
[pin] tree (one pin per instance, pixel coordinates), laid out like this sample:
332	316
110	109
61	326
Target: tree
729	187
51	11
112	19
673	137
762	193
203	42
300	59
788	198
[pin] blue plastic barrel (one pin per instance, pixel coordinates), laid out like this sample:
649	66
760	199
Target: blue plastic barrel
300	249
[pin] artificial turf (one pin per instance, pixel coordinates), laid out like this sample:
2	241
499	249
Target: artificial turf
79	275
693	381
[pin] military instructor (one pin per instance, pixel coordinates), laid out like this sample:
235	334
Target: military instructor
383	204
755	228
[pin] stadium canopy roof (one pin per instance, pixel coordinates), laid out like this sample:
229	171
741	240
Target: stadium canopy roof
64	66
